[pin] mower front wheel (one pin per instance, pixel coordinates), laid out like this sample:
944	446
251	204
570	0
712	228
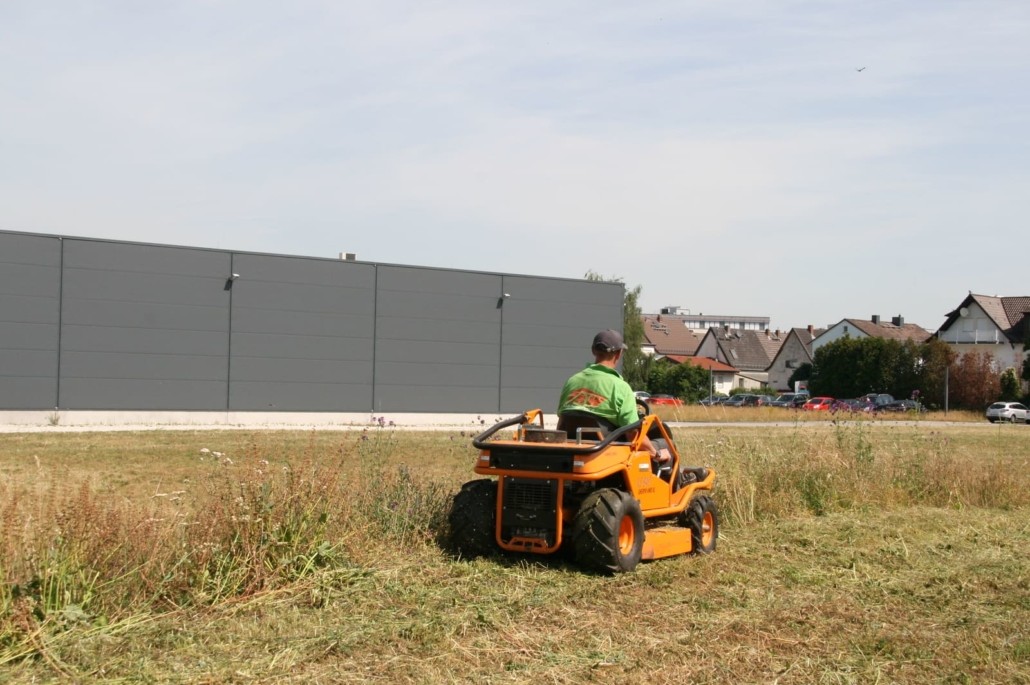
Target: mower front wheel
702	518
608	532
473	518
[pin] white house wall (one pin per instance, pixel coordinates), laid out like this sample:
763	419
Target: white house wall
976	328
977	332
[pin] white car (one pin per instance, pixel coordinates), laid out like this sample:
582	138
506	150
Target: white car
1007	411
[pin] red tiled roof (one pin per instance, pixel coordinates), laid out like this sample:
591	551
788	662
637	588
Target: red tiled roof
706	363
669	335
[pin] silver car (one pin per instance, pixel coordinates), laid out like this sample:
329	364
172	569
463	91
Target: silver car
1007	411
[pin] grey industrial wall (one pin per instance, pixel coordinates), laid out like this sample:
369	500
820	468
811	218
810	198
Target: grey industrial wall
102	325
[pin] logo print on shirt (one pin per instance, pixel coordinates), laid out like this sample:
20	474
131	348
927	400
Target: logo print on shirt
584	397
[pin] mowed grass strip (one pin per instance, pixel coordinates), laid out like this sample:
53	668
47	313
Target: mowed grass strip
849	553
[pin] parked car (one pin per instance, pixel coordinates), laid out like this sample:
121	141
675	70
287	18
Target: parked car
851	405
903	406
799	400
878	400
712	400
642	395
818	404
666	400
734	401
1007	411
784	400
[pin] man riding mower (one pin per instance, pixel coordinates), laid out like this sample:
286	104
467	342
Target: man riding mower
594	493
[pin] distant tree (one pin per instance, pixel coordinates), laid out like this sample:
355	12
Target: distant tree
1010	390
634	362
936	357
974	383
685	381
802	373
852	367
661	379
694	383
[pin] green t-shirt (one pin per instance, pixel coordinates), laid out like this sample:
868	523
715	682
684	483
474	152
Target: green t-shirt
600	390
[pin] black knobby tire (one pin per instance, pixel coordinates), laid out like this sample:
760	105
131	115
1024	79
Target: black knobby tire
702	518
472	519
608	532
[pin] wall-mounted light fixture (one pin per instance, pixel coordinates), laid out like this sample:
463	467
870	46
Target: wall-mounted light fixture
229	281
501	299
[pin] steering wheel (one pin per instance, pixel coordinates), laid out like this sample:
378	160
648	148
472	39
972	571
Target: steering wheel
642	404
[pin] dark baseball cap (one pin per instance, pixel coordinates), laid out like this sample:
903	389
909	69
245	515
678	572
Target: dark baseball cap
609	341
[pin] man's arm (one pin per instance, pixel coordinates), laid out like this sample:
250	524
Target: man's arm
659	455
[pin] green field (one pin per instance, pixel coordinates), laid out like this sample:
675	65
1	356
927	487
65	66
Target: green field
850	552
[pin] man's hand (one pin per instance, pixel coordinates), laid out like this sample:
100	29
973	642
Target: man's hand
661	456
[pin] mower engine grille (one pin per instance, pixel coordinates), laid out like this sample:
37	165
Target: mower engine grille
530	493
530	504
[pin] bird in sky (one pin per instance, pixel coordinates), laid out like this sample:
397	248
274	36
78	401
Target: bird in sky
860	69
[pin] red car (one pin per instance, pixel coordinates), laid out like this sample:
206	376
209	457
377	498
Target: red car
818	404
667	400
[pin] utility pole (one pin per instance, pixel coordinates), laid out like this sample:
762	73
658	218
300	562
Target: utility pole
947	368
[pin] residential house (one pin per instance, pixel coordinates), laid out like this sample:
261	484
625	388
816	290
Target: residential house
750	352
666	334
895	329
1000	325
795	351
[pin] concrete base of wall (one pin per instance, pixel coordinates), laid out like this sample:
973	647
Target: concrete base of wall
58	421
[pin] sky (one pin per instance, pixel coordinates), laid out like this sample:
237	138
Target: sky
803	161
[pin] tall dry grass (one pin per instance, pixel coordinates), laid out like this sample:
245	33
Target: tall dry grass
854	464
281	514
71	554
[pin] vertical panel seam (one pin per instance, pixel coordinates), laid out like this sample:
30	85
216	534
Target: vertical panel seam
375	331
228	340
60	319
500	349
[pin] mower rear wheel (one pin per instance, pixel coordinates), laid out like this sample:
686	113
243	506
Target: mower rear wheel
608	532
473	517
702	518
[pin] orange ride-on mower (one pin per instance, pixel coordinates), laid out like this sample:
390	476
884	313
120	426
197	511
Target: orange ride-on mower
597	497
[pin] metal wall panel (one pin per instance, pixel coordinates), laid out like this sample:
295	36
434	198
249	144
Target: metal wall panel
302	334
144	327
548	325
30	281
437	340
126	326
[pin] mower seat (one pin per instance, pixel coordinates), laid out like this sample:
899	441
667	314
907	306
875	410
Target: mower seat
571	421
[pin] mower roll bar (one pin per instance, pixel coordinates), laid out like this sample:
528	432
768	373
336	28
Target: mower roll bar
481	440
